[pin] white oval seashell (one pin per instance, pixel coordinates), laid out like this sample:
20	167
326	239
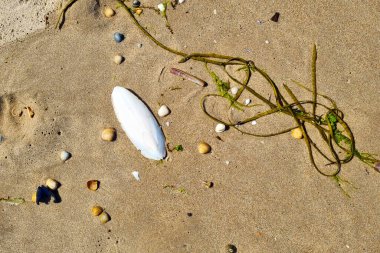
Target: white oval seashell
220	128
136	175
254	122
65	155
181	1
52	184
161	7
163	111
139	124
118	59
234	90
247	101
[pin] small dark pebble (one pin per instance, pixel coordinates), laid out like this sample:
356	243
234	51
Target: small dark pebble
118	37
136	4
189	214
275	17
231	248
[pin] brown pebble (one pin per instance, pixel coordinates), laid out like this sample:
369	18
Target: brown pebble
93	185
109	134
275	17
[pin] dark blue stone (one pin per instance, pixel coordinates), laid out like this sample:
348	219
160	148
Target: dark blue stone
118	37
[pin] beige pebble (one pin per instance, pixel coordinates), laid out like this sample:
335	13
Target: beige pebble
96	210
109	134
118	59
163	111
104	217
52	184
204	148
108	12
297	133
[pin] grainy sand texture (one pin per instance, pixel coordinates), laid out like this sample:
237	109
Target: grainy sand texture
267	197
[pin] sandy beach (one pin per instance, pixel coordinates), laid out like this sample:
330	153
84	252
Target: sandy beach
267	197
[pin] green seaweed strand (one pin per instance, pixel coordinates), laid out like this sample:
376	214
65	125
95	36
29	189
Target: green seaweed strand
327	126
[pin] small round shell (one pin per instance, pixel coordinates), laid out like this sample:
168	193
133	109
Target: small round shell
109	134
52	184
108	12
163	111
234	90
161	7
297	133
96	210
220	128
118	59
104	217
65	155
93	185
204	148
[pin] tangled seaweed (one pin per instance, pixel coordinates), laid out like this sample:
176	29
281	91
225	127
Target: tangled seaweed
334	131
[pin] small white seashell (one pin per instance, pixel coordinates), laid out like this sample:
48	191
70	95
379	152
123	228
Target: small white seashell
181	1
136	175
139	45
234	90
267	42
163	111
247	101
118	59
220	128
254	122
167	123
52	184
65	155
227	162
161	7
215	11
